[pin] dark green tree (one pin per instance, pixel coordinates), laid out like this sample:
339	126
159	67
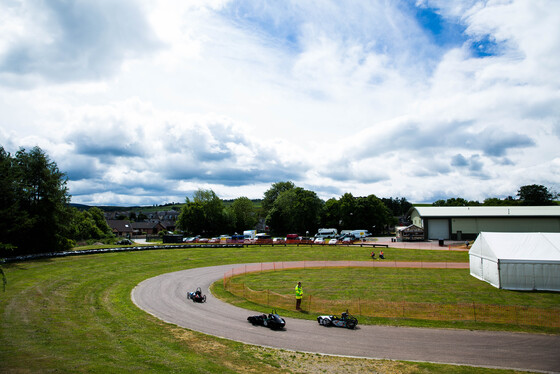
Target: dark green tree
89	224
455	201
398	206
535	194
295	210
11	216
243	215
330	216
36	188
204	214
272	193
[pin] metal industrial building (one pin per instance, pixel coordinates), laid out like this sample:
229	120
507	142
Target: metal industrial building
466	222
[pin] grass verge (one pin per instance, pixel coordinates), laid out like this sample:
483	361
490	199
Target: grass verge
75	315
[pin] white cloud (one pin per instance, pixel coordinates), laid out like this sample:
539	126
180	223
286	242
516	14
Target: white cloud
236	95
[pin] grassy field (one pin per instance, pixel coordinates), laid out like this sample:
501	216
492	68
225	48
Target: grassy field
445	286
413	297
75	314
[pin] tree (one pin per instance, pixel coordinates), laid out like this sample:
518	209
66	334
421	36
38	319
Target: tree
330	217
398	206
204	214
349	212
89	224
11	216
272	194
495	201
295	210
535	195
455	201
34	203
243	215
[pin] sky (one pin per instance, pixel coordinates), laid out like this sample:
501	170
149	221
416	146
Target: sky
143	102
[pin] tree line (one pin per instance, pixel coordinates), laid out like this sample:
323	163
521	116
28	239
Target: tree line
287	208
35	215
534	194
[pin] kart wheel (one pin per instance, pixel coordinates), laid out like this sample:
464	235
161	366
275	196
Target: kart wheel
265	323
351	325
203	299
324	322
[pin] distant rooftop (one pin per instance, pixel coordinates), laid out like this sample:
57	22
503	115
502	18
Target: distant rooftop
488	211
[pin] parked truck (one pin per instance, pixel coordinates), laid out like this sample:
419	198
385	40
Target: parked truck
249	234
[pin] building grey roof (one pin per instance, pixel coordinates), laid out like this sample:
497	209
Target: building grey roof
120	225
488	211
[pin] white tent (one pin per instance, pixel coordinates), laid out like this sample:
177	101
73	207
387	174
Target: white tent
517	261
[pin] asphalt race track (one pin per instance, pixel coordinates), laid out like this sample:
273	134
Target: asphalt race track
164	296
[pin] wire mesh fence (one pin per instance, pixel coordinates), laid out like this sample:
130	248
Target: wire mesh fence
476	312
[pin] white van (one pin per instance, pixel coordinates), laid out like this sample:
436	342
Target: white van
326	233
360	234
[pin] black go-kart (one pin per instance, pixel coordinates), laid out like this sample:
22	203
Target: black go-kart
345	320
272	320
196	296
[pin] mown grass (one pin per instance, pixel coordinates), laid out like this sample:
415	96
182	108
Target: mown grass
75	315
445	286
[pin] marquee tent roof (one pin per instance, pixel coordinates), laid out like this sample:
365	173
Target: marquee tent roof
531	247
517	261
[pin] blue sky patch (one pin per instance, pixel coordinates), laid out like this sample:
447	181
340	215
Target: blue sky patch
267	19
442	31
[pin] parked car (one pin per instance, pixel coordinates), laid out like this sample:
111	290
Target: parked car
319	241
278	241
124	242
202	240
333	242
348	240
214	240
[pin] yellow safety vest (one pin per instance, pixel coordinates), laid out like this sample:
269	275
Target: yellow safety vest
299	292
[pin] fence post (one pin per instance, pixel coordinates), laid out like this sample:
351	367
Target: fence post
359	307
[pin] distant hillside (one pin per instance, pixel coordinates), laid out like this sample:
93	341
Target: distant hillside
79	206
153	208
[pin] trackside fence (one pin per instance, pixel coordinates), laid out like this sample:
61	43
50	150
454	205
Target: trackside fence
502	314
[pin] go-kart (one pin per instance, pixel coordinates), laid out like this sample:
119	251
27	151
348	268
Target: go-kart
272	320
345	320
196	296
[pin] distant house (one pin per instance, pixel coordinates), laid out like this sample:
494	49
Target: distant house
146	228
120	227
169	225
